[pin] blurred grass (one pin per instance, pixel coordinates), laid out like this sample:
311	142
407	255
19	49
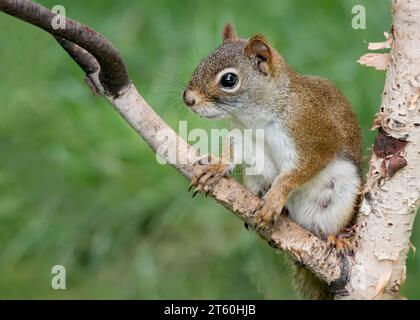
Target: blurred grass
79	188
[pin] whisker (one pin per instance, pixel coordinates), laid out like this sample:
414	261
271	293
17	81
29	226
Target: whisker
179	80
172	82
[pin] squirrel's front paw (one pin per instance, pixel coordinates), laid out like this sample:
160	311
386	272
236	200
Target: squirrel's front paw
265	213
206	174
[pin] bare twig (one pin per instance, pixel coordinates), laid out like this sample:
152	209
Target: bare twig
113	74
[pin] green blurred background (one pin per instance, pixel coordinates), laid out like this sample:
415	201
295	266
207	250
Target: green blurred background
79	188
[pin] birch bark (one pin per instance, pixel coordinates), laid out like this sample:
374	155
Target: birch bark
391	196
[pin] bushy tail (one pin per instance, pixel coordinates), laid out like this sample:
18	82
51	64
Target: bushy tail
309	286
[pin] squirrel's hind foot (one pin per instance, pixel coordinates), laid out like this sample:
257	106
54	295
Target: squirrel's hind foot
341	243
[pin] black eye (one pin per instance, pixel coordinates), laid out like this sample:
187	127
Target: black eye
229	80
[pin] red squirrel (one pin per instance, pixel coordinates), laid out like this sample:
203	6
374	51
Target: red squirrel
312	142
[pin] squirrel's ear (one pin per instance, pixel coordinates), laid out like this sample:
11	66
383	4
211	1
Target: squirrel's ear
259	49
229	33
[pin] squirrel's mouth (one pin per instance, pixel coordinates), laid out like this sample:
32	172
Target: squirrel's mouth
211	117
205	107
209	111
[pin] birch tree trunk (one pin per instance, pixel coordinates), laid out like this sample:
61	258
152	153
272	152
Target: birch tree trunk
391	198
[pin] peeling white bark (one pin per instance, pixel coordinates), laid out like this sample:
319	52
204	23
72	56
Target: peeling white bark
389	205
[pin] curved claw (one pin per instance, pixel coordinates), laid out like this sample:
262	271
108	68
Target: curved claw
206	176
341	244
195	193
264	220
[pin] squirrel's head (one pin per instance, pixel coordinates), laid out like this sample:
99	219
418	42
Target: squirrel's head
235	77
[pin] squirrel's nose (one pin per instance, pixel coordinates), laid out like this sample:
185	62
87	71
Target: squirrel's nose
189	97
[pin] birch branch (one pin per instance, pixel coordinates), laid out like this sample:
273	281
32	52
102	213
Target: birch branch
108	76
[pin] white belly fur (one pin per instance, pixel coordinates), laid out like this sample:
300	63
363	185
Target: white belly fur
279	156
323	205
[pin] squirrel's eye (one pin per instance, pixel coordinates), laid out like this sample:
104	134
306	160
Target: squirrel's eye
229	80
